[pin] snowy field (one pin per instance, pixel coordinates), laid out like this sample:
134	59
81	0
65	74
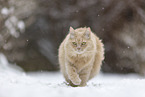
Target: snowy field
16	83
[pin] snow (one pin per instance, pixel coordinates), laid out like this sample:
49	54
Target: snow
21	26
12	22
5	11
16	83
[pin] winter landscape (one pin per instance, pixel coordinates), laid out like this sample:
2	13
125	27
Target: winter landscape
16	83
31	32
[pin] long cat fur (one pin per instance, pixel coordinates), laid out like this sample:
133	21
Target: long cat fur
78	68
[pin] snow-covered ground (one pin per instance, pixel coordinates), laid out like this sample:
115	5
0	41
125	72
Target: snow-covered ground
16	83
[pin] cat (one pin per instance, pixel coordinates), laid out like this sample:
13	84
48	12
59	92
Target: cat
80	56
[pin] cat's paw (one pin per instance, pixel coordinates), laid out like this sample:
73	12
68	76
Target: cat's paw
76	81
83	84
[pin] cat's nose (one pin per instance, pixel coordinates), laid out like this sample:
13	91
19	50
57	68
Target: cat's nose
78	48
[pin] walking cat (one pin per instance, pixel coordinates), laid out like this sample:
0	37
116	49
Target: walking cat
80	56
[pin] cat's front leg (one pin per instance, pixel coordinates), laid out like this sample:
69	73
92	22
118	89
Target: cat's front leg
84	75
72	74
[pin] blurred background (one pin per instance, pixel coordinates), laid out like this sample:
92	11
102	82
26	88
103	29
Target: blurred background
32	30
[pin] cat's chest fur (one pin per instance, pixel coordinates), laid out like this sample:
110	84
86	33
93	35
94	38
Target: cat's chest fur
80	61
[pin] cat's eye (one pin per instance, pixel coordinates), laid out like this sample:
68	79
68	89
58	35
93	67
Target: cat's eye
74	43
83	43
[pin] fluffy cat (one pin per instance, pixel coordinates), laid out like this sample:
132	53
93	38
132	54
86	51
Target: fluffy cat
80	56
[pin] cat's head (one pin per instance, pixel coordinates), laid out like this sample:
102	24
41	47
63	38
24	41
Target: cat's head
80	39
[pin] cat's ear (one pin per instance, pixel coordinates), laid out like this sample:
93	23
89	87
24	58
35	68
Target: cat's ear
72	32
88	32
